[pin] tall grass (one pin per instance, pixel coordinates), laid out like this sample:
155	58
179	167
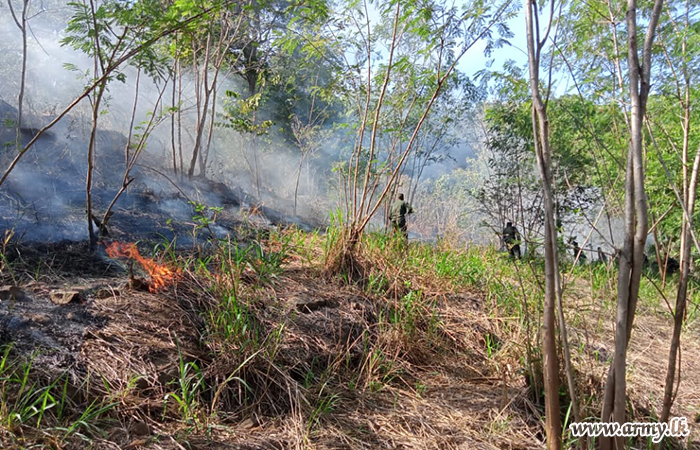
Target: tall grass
230	283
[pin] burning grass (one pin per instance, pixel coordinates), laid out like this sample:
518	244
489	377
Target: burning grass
252	333
255	347
160	274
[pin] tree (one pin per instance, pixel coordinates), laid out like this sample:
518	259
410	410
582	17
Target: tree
307	134
204	47
680	54
636	219
511	191
105	32
22	24
112	34
540	129
412	76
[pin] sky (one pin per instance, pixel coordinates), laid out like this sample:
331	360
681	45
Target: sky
475	60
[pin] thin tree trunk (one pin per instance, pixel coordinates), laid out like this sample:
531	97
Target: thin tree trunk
172	117
682	293
23	76
91	162
210	133
113	66
690	191
540	129
636	222
202	109
179	117
127	152
133	157
380	102
221	47
296	186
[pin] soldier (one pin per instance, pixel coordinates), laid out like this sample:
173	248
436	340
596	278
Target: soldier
672	265
397	215
601	256
577	251
511	237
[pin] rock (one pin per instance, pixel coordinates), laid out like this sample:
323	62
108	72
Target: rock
63	297
12	293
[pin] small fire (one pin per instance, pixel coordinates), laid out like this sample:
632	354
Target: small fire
160	274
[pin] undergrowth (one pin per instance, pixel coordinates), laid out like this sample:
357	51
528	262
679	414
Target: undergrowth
408	290
407	305
35	407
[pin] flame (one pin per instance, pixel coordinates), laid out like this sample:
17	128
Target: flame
160	274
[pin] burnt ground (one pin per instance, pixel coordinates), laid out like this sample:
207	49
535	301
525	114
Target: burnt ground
43	199
31	321
117	341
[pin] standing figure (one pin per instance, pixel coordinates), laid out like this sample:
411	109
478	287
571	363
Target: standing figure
511	237
601	256
577	251
397	215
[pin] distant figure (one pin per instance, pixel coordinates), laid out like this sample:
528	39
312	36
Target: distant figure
397	215
672	265
511	237
601	256
577	251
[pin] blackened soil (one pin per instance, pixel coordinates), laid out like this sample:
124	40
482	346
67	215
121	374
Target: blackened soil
50	334
36	327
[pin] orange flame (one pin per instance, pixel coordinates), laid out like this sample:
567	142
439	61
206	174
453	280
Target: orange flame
160	274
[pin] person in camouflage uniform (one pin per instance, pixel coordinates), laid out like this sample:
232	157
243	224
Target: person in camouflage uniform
601	256
578	252
511	237
397	215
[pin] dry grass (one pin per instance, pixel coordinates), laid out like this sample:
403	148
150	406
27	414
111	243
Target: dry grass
407	358
590	314
329	368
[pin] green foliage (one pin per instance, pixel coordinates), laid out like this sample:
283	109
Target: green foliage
512	190
204	217
189	386
240	114
325	404
233	321
108	30
30	402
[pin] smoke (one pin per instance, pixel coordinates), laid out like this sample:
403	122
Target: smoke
44	198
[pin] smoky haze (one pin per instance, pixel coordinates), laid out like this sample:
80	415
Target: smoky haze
44	197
